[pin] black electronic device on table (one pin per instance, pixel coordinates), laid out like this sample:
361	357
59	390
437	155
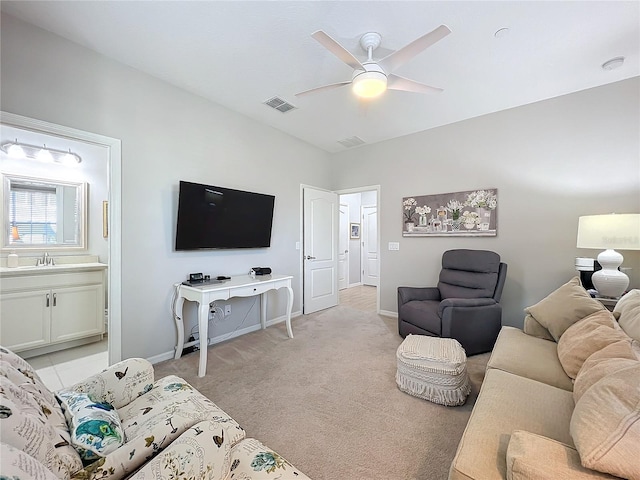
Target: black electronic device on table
198	279
260	271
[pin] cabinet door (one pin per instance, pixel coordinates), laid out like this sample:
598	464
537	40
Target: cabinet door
24	319
77	312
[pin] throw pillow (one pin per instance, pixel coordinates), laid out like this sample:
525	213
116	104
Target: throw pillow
564	307
95	427
605	425
586	337
612	358
628	307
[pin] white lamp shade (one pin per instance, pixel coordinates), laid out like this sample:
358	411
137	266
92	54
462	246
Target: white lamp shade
615	231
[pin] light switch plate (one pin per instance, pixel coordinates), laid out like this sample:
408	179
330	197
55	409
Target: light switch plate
394	245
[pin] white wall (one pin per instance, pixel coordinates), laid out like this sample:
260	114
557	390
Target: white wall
551	162
167	135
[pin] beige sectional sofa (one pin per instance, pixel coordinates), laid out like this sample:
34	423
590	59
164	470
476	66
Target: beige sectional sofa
533	420
123	423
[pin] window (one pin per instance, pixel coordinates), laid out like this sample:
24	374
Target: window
41	213
34	214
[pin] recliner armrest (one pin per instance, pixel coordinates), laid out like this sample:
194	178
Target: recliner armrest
408	294
119	384
464	302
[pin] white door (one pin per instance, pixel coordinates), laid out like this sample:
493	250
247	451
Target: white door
370	245
343	248
320	254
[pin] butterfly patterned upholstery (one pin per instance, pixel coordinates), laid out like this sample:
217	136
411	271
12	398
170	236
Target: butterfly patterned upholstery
171	430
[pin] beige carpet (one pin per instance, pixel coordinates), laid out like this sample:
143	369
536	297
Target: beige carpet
327	400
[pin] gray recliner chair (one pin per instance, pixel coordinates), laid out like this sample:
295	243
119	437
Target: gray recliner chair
465	304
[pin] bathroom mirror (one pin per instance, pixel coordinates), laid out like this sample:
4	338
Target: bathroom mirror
42	214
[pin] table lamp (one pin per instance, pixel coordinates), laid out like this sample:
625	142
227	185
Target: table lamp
614	231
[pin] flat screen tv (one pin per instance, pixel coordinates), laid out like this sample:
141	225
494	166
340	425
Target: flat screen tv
217	217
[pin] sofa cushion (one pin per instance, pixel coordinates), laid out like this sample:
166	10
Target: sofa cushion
119	384
25	427
605	424
563	307
251	460
18	465
423	314
514	350
94	427
31	419
509	402
154	420
612	358
586	337
629	309
197	453
531	456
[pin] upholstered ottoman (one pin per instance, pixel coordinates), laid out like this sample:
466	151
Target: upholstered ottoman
433	368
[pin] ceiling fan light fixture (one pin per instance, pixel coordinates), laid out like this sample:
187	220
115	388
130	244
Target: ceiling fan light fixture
369	84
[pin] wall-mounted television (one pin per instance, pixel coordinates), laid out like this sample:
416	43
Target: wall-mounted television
218	217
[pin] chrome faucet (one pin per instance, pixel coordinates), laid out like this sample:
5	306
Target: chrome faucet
46	260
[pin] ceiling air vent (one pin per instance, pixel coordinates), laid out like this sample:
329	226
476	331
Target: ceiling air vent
351	142
279	104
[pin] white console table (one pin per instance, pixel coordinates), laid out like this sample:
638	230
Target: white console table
238	286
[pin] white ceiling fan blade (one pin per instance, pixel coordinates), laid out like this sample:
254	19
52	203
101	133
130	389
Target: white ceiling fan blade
395	82
406	53
338	50
320	89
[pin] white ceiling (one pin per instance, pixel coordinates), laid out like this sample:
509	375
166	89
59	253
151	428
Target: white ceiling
239	54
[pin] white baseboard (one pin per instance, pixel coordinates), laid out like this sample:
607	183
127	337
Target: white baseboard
227	336
357	284
388	313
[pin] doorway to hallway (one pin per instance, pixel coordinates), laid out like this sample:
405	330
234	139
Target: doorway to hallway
362	297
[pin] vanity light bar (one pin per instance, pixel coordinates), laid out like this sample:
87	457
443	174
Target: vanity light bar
44	153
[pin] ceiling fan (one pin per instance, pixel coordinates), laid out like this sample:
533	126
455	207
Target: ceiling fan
372	77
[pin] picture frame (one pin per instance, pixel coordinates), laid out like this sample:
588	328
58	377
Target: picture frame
354	229
470	213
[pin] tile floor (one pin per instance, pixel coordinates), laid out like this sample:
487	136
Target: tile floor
67	367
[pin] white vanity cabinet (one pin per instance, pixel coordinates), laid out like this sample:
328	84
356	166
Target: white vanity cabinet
45	306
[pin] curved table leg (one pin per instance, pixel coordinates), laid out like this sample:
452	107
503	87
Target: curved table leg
180	326
203	329
289	308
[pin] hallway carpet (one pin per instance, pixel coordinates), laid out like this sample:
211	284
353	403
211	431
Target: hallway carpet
327	400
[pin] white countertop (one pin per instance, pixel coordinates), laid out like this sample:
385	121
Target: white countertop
49	269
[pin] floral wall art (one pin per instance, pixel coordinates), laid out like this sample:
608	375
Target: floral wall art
472	213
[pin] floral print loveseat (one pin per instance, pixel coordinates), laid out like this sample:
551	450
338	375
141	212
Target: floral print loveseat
140	428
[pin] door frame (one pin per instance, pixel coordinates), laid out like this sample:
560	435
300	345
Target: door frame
340	205
377	189
362	250
113	148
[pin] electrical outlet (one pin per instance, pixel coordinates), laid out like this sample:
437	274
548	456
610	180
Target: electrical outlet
227	310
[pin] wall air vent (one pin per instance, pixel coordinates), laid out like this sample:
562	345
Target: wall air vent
351	142
279	104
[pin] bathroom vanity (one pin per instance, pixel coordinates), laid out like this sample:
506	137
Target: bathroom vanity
51	307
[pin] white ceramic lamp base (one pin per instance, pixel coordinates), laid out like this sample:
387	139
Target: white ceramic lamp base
610	282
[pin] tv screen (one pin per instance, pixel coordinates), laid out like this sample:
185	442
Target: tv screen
217	217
